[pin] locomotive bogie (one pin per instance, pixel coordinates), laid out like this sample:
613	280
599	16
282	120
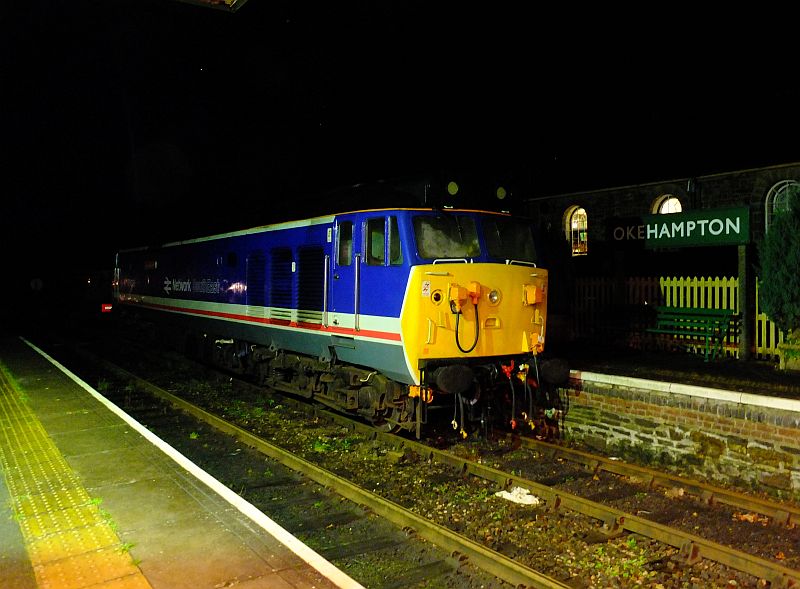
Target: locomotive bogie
340	386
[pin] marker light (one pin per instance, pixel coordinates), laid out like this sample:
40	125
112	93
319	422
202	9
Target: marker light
494	296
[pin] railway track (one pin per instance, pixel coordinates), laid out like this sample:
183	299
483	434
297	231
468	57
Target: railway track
637	549
778	513
377	542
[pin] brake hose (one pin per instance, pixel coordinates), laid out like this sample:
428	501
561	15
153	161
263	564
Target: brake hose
477	329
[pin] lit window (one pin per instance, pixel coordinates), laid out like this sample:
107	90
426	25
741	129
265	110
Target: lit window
576	230
778	199
667	204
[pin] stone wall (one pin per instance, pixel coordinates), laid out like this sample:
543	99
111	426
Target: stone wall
721	436
747	188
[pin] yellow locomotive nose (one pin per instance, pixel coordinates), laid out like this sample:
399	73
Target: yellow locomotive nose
507	316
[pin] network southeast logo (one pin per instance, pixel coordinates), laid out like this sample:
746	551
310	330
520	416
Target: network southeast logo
203	285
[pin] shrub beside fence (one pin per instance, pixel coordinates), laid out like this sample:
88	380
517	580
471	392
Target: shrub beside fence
620	310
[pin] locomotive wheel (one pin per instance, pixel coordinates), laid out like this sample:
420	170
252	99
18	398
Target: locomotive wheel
396	419
386	422
388	426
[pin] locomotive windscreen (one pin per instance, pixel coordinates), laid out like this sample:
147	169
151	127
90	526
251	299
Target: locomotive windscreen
450	236
509	239
456	236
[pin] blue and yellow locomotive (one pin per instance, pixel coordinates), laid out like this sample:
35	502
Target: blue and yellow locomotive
373	312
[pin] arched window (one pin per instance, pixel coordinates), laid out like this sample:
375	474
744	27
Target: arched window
666	204
576	229
778	200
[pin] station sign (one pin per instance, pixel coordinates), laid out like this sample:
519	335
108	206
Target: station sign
627	231
729	226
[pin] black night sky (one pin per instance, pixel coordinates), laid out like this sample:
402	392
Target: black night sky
126	122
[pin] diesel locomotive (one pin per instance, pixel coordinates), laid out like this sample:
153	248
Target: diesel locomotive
374	312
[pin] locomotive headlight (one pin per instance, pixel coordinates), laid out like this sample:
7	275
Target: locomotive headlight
494	296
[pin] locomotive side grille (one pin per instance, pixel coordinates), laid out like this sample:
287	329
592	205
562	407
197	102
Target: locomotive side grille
310	282
310	316
256	279
280	279
284	314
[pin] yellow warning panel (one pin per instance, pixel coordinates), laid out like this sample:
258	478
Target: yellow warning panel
64	519
53	501
70	541
65	544
90	569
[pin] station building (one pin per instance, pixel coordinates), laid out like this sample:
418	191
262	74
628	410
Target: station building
616	253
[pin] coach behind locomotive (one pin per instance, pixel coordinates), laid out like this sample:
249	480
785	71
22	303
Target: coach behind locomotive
370	312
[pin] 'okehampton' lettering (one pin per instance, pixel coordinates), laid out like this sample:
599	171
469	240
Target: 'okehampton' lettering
702	228
697	228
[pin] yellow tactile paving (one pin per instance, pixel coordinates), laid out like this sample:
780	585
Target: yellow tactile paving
30	505
70	541
64	519
90	569
34	473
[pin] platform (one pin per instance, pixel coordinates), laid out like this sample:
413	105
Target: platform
90	498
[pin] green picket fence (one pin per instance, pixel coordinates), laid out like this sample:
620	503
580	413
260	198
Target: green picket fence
605	307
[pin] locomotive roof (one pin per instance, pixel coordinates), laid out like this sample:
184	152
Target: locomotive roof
308	223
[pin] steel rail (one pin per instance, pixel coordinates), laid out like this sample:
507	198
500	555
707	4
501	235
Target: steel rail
459	546
779	513
693	548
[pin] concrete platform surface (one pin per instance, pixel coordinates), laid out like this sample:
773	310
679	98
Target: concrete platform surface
90	498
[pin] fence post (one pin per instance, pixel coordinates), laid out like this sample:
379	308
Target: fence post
746	303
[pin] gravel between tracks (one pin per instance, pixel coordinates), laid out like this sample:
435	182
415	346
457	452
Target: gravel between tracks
564	545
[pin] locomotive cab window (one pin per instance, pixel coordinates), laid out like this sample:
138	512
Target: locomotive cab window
446	237
509	239
376	241
344	243
381	246
395	247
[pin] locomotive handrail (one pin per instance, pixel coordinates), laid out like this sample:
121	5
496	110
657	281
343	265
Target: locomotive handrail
523	262
450	260
325	292
357	290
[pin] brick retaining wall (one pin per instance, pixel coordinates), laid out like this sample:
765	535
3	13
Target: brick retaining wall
722	436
